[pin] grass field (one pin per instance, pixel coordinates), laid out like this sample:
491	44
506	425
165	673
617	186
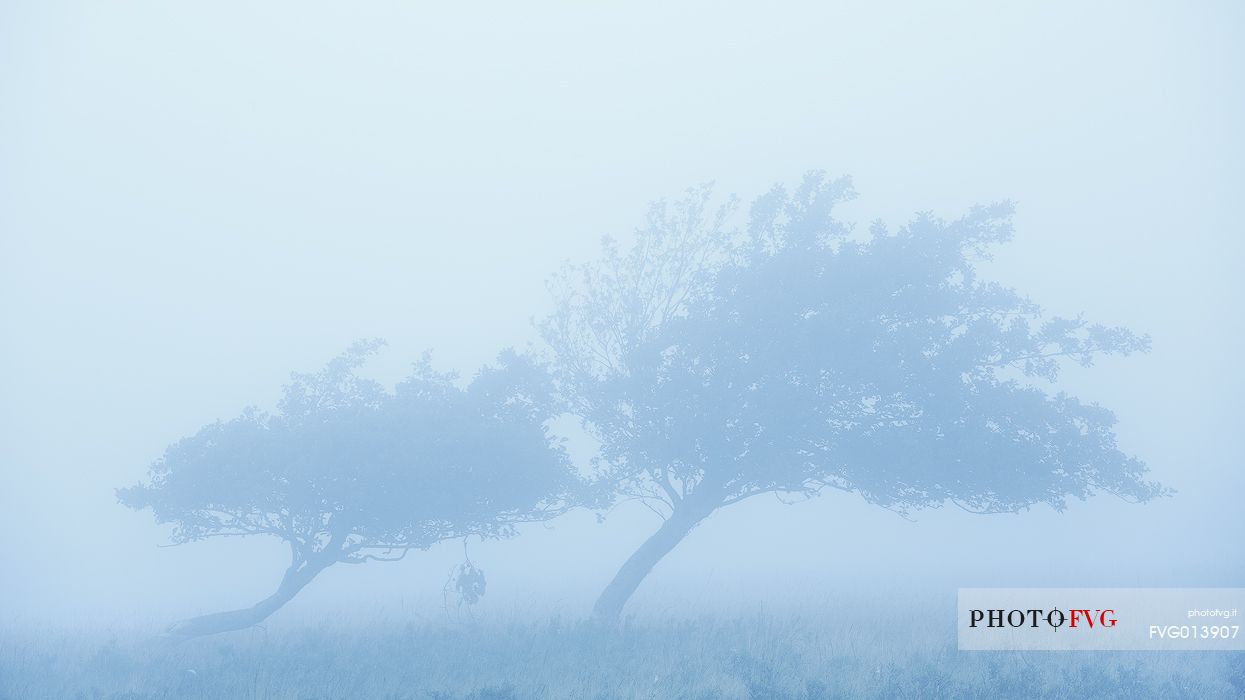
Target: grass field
755	656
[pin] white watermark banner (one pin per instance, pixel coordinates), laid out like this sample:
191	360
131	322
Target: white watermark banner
1101	619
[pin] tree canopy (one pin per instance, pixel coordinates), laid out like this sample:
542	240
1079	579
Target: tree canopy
800	354
348	472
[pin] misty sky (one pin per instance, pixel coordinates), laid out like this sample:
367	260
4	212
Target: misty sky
197	200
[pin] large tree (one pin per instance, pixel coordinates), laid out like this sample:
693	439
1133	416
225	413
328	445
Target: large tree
799	354
348	472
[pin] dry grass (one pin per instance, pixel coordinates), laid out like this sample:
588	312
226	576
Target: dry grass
747	657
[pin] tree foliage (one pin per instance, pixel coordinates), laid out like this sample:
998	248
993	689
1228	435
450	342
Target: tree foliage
799	354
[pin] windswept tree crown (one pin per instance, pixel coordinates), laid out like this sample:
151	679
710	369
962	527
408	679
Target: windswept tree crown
799	354
345	469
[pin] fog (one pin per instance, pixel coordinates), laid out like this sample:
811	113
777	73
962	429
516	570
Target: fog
196	201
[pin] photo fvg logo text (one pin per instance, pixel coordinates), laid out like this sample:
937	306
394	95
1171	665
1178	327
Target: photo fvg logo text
1100	619
1033	616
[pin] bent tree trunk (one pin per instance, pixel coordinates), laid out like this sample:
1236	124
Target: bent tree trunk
609	605
295	579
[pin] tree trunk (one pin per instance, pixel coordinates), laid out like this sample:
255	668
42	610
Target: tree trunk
609	606
295	579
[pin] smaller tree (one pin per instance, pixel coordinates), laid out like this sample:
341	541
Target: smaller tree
347	472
